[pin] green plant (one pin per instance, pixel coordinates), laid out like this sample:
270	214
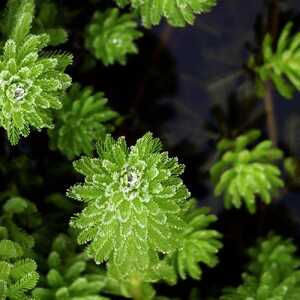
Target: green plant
241	174
69	276
273	272
282	65
110	36
135	195
178	13
130	194
18	271
124	223
81	122
17	274
47	21
30	82
198	244
17	212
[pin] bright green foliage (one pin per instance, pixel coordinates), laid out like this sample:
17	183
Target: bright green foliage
135	286
282	66
274	250
138	285
133	200
273	273
111	36
241	173
46	22
197	244
30	83
18	275
69	276
177	12
17	211
81	122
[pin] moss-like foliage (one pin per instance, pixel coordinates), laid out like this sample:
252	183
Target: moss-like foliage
111	36
30	83
47	21
133	201
272	274
198	244
177	12
69	276
242	173
82	120
16	213
18	271
18	275
131	227
282	65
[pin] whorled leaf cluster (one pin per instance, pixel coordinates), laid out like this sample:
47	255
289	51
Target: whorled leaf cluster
69	276
242	173
18	275
18	271
133	199
81	122
16	213
273	273
281	65
198	244
30	82
177	12
111	36
136	215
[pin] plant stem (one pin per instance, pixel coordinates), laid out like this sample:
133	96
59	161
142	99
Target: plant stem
273	20
136	288
270	114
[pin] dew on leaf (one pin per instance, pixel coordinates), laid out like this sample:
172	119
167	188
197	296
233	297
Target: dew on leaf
19	93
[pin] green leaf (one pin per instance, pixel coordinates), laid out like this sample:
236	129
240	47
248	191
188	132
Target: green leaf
9	249
125	219
16	212
198	244
47	21
18	275
110	36
71	274
241	174
177	12
23	21
30	84
284	38
15	205
273	273
282	66
84	119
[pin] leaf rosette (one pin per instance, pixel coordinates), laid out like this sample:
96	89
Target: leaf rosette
134	198
30	83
